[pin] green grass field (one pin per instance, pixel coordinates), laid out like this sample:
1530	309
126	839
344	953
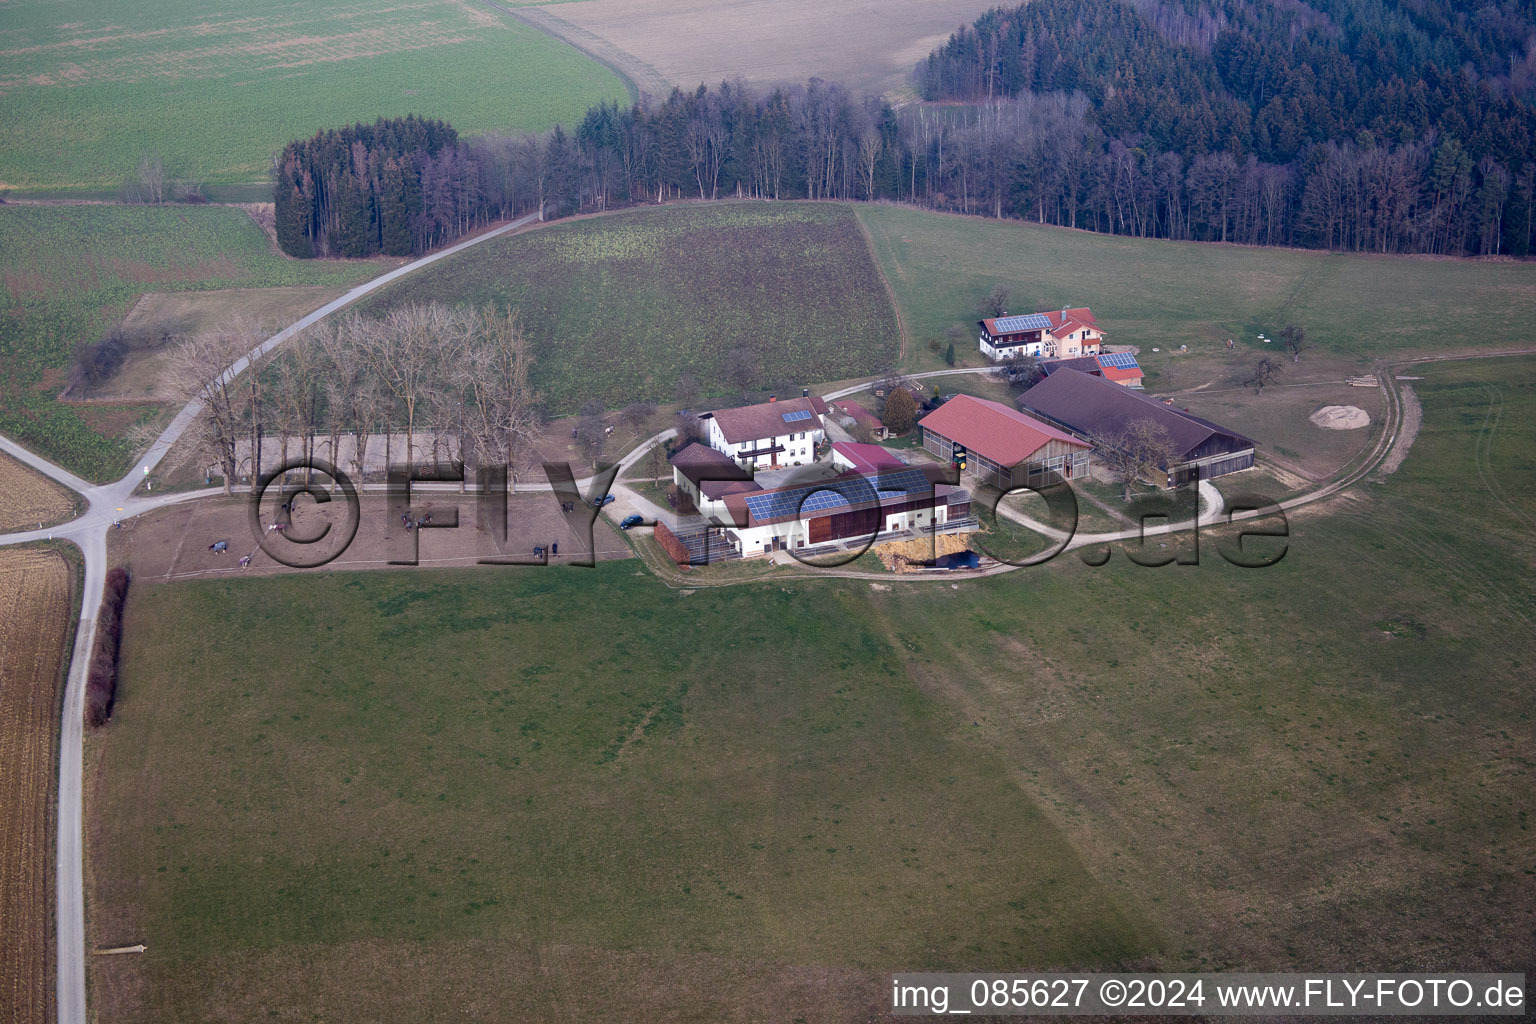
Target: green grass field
71	272
1166	294
446	793
618	307
89	88
553	761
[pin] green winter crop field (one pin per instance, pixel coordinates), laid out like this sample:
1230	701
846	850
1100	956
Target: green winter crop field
71	272
88	87
619	306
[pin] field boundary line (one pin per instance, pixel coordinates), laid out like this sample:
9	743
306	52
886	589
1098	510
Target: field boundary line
902	337
538	24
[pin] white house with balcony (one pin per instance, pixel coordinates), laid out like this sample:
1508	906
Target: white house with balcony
1059	335
769	435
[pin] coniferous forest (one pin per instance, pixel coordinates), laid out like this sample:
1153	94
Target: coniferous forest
1369	126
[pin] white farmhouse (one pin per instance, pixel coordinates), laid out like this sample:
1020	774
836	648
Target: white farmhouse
771	434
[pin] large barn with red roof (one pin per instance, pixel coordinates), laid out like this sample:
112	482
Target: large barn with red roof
1003	446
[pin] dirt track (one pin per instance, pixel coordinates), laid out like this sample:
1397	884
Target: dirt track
173	543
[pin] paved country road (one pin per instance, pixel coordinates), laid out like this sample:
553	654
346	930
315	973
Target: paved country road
106	503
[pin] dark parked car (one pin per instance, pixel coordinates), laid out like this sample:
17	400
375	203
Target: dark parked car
606	499
631	521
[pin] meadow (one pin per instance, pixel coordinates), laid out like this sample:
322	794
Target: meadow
752	801
216	89
1157	294
515	794
619	307
72	272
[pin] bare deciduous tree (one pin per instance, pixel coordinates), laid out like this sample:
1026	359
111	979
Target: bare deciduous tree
636	415
1138	452
408	348
687	391
502	420
1264	373
198	374
996	303
149	181
1295	338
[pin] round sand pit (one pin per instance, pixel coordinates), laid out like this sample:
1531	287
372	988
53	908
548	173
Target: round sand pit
1341	417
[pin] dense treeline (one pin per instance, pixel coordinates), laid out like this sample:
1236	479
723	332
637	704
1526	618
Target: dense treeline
1334	125
101	680
366	189
1388	126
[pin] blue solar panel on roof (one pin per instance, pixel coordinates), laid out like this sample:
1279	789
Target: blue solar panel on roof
819	497
1119	360
1014	324
791	417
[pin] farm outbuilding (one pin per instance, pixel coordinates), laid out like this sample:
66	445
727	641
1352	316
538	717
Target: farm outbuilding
1004	447
1120	367
1097	410
846	507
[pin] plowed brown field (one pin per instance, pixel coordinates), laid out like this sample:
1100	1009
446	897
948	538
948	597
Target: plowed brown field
28	498
34	619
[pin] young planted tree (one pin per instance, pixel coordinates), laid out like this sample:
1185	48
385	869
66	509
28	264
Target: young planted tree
1295	338
1139	452
900	412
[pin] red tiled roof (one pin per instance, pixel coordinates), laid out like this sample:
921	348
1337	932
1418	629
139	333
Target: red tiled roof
991	429
867	458
1062	321
1121	373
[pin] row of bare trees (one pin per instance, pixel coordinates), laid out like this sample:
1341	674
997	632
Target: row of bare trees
463	370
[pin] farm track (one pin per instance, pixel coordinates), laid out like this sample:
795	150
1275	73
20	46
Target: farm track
638	77
34	617
118	500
